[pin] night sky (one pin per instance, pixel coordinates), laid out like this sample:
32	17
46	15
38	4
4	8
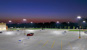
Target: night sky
42	10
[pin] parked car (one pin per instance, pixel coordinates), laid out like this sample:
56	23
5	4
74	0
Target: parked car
30	34
0	32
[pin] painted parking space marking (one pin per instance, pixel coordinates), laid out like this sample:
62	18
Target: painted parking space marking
45	43
61	45
53	44
70	46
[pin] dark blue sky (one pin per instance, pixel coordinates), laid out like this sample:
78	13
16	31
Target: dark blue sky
42	10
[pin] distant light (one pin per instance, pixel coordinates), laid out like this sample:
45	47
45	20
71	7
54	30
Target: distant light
24	19
84	21
68	22
31	22
10	21
78	17
57	22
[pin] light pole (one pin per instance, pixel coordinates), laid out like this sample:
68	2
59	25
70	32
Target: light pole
84	23
10	23
68	25
57	23
24	20
31	24
42	25
79	17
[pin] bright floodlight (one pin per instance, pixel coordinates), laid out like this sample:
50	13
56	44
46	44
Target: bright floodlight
57	22
24	19
78	17
84	21
10	21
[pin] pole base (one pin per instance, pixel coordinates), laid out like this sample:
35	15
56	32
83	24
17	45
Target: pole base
79	37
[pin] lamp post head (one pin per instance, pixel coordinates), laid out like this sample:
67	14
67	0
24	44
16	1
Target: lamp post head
57	22
78	17
9	21
84	21
31	22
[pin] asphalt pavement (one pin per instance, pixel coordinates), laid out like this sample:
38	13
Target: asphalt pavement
49	39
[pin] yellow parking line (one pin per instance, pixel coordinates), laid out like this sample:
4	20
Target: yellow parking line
61	45
45	43
70	46
53	44
39	42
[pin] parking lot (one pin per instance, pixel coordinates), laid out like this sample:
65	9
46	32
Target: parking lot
43	40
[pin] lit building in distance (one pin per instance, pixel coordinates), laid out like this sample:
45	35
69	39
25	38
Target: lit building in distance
3	27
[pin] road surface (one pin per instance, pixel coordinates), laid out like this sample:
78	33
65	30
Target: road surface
43	40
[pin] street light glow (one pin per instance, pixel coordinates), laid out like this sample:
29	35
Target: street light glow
57	22
31	22
24	19
10	21
78	17
68	22
84	21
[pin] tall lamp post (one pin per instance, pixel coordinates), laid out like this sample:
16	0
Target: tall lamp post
57	23
24	20
68	25
79	17
31	24
84	22
42	26
10	22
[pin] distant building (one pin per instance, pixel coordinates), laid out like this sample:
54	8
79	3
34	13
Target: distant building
3	26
